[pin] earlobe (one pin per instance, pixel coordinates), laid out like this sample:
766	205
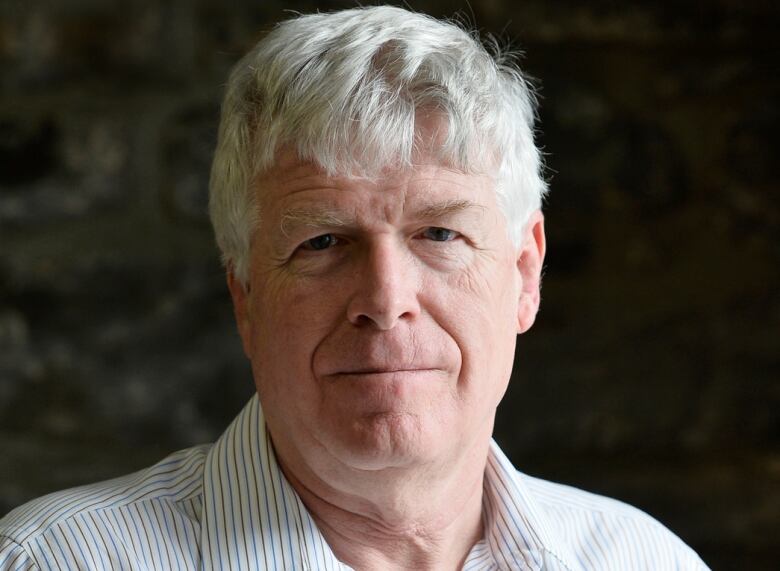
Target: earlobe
529	265
241	310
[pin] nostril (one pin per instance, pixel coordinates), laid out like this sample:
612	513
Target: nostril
363	320
382	320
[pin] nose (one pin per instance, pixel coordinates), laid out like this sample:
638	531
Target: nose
387	288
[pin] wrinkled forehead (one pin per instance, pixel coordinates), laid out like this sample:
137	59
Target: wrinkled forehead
291	170
362	151
296	192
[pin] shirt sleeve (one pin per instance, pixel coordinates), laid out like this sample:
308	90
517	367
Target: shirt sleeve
14	557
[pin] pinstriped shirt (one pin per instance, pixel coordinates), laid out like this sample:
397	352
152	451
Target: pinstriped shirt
229	507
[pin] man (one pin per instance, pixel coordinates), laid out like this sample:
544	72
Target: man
375	195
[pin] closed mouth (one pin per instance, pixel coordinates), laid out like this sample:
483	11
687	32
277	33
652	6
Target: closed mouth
400	370
382	371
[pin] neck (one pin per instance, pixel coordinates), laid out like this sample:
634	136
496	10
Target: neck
399	519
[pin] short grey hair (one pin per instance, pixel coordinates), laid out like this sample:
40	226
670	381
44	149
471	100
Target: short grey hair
344	90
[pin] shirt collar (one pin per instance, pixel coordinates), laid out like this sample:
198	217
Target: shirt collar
517	531
253	519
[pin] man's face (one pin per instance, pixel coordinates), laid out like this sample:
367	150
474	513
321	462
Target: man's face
380	316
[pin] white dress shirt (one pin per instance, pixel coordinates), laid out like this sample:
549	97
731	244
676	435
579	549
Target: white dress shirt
228	506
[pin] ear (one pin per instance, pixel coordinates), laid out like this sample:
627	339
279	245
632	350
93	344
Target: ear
241	309
529	265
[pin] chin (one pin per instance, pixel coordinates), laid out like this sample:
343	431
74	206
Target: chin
385	440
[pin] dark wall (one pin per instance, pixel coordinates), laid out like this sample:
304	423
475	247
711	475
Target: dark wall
652	371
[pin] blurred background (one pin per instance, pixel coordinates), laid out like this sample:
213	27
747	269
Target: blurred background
651	374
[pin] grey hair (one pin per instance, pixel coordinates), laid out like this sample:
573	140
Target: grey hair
345	89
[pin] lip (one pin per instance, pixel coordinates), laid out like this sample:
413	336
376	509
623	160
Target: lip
371	371
384	372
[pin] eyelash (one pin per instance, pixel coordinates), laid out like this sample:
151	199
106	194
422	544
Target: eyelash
334	240
307	245
452	234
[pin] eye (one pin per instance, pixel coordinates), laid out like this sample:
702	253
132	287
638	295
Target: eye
322	242
438	234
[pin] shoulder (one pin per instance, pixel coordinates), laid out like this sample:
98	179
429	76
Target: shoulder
605	533
85	519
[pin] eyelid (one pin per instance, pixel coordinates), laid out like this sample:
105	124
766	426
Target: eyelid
306	244
336	241
340	240
455	233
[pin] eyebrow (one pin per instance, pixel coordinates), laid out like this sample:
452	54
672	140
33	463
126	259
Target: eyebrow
447	208
312	217
293	218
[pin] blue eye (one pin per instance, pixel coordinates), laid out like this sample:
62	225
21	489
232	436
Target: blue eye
438	234
320	242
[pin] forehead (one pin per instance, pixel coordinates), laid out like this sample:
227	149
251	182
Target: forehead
292	180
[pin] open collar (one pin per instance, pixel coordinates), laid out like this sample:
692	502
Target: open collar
517	531
253	519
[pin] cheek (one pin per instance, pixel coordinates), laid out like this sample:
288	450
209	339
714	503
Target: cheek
487	290
289	319
478	309
292	306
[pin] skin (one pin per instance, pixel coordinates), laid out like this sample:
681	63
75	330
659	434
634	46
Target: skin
380	318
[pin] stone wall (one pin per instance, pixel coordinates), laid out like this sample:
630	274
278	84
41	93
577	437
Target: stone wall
652	371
